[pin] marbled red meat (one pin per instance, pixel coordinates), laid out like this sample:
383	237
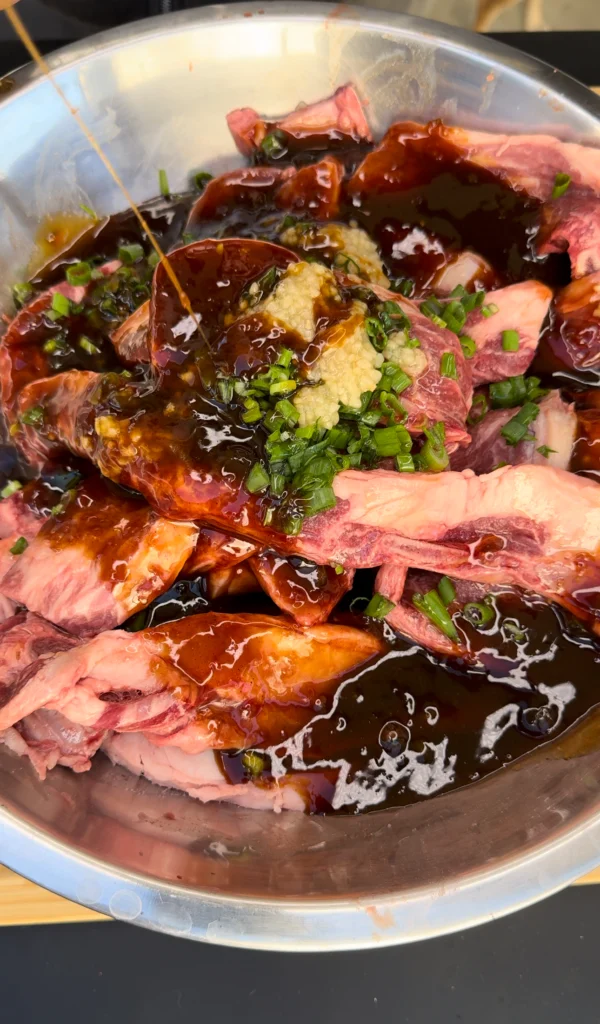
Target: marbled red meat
521	307
531	526
207	681
246	187
317	125
198	775
434	397
574	336
554	429
101	558
217	550
306	591
528	163
131	337
572	224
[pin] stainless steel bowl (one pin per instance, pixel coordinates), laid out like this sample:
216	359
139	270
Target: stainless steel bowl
155	93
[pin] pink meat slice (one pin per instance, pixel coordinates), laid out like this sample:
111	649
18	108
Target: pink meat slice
528	163
521	307
392	581
197	774
22	358
131	337
47	738
555	428
399	585
306	591
105	556
27	643
249	187
215	549
572	224
431	396
338	117
207	681
314	190
575	333
531	526
18	519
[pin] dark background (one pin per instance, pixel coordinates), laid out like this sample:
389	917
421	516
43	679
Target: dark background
540	965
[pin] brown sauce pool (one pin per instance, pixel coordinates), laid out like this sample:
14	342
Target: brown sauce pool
409	725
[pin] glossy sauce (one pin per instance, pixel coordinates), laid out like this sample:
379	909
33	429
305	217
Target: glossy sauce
408	725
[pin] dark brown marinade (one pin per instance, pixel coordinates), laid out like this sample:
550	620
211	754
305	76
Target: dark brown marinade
398	710
413	725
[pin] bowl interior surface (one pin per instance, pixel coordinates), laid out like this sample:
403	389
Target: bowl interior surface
155	94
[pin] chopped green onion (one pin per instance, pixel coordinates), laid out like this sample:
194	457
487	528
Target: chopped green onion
268	516
395	378
60	304
404	286
431	307
514	630
478	613
88	346
338	569
321	499
19	546
378	607
448	365
376	333
10	488
153	259
433	456
273	145
506	393
163	183
277	484
264	285
517	428
285	357
283	387
546	451
88	209
292	524
131	253
490	309
225	389
21	293
257	479
459	292
412	343
432	606
33	417
53	345
253	411
510	341
454	316
468	346
253	762
473	301
405	464
78	273
287	410
446	590
201	180
345	262
393	440
561	184
479	408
